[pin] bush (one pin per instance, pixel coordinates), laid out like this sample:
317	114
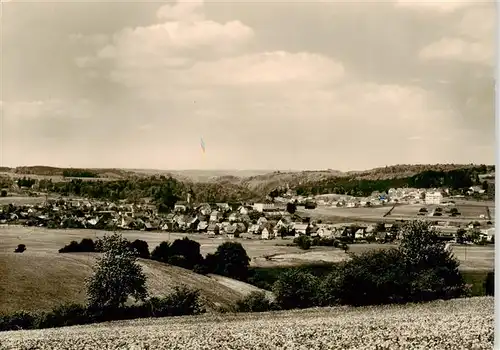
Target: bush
296	289
183	301
304	242
140	248
489	284
86	245
64	315
16	321
161	252
254	302
21	248
3	193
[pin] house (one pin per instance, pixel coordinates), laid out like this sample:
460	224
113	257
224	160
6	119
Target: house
193	223
324	232
213	229
261	207
255	229
244	210
489	233
475	189
262	220
313	231
300	228
202	226
204	209
224	225
433	198
223	207
234	217
216	216
284	222
359	234
267	233
180	207
240	227
231	231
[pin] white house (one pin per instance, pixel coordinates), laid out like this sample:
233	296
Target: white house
435	198
267	233
300	229
260	207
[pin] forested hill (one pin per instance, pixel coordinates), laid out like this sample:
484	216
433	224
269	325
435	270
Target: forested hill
122	184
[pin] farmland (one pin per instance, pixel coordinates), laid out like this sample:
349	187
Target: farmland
264	253
469	211
40	281
454	324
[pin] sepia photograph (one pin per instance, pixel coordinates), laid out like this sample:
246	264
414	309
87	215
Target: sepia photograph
232	174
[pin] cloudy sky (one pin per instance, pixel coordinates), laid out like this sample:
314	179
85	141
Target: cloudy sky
281	85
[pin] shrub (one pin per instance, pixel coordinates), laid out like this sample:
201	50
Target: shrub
21	248
254	302
183	301
16	321
85	245
64	315
3	193
296	289
140	248
161	252
189	250
304	242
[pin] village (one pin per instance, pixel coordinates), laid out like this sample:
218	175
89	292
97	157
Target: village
274	218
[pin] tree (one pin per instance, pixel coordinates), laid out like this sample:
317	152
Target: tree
140	248
231	260
295	289
432	269
291	208
3	193
117	275
460	236
161	252
20	248
489	284
189	250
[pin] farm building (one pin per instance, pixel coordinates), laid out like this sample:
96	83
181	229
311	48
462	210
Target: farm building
261	207
433	198
300	228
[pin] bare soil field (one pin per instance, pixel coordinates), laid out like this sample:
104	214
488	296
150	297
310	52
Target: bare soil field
15	200
41	280
454	324
401	212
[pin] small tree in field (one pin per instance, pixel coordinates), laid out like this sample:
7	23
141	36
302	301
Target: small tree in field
117	275
20	248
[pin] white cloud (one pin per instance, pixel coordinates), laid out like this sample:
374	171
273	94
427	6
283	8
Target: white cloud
183	10
474	41
460	50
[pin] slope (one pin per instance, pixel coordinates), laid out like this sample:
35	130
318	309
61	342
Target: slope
40	281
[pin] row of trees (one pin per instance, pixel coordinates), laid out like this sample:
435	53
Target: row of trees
230	259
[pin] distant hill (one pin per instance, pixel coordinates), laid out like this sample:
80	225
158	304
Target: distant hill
40	281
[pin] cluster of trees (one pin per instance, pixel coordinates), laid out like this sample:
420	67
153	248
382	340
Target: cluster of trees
420	269
230	259
26	182
457	179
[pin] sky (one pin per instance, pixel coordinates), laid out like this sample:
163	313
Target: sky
266	85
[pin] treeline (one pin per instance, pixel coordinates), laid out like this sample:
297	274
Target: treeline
79	173
165	191
457	179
